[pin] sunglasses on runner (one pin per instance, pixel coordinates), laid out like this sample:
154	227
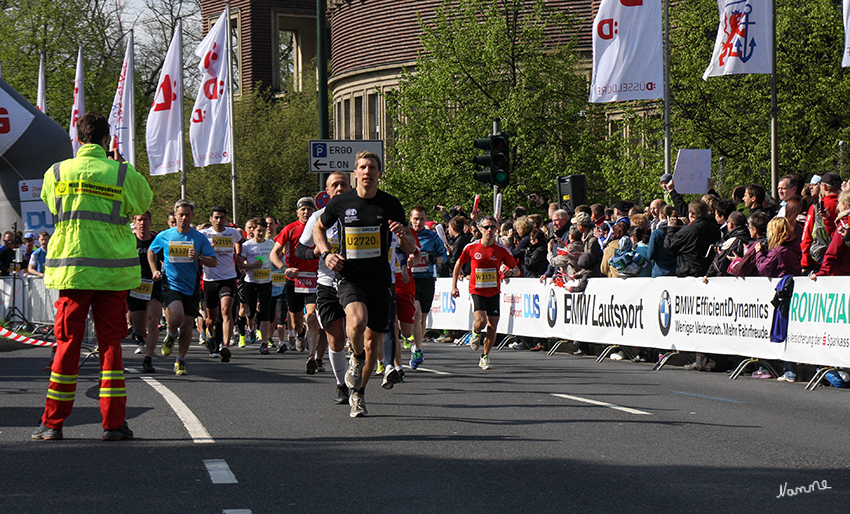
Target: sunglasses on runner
488	227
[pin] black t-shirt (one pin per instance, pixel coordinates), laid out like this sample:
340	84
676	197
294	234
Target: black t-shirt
365	234
142	248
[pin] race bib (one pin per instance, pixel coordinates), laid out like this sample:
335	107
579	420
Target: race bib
362	242
143	292
222	243
178	251
262	276
486	277
334	242
305	282
420	268
278	278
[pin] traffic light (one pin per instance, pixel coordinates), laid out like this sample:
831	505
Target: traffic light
496	160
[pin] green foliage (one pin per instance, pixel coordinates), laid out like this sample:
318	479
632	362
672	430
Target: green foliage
484	59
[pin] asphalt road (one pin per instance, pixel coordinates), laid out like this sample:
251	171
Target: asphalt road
521	437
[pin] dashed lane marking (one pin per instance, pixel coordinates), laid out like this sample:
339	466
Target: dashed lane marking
429	370
603	404
220	472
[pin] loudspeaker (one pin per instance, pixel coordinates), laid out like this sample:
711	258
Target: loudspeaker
572	192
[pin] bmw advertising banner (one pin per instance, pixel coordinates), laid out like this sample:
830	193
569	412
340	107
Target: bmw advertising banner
731	316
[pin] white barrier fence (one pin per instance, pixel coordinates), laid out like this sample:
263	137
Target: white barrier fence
731	316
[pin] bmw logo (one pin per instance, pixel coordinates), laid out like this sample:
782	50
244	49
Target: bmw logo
552	308
665	311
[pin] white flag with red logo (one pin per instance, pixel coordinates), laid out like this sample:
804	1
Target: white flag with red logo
744	38
628	60
79	106
209	133
41	98
164	130
122	114
845	61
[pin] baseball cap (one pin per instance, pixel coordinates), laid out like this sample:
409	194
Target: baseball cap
30	235
582	218
305	201
815	179
666	177
623	205
832	179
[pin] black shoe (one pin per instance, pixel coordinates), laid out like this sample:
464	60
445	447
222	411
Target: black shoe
225	354
281	348
118	434
341	395
147	366
46	433
311	366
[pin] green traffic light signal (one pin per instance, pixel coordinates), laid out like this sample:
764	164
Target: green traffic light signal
497	160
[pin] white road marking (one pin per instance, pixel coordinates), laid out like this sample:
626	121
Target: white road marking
236	511
602	404
428	370
220	472
193	425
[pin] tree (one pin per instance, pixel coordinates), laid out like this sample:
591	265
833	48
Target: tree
511	59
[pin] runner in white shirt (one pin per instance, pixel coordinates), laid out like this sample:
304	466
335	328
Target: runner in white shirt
220	282
258	279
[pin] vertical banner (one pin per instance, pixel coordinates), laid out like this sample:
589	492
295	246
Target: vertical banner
164	130
628	60
845	61
79	106
41	99
744	41
209	132
122	114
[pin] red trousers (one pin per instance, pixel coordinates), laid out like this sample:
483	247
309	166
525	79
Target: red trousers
109	311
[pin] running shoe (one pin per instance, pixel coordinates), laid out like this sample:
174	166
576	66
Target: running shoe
379	369
484	363
475	341
252	336
400	374
264	349
292	345
215	355
212	346
311	366
271	344
180	368
354	373
242	342
167	345
140	341
147	366
406	342
341	394
225	354
55	434
416	359
358	405
259	334
391	378
300	343
118	434
282	348
320	365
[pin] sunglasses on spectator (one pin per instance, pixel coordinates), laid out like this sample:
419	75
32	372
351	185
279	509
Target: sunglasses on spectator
488	227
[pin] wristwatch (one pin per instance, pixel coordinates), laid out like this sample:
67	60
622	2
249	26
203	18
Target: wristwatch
325	255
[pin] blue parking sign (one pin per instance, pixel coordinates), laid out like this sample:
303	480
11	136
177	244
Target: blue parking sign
319	150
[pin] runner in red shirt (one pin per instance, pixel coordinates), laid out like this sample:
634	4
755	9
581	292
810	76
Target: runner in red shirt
489	262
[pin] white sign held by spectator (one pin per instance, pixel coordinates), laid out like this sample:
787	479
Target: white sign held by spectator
692	171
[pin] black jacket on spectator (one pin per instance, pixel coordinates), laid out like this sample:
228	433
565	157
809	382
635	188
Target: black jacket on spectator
732	244
691	244
458	245
535	259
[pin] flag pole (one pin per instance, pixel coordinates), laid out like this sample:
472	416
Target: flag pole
130	100
667	142
230	124
180	143
774	111
41	99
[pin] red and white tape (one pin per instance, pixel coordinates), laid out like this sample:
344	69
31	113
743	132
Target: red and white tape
24	339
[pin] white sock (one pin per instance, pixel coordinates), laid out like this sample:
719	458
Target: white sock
338	365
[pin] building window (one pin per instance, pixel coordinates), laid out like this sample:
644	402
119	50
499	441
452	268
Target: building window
346	113
236	52
374	118
287	53
358	117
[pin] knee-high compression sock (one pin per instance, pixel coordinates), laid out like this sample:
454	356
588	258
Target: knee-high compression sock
338	365
240	324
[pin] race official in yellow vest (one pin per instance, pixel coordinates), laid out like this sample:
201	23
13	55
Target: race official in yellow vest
92	260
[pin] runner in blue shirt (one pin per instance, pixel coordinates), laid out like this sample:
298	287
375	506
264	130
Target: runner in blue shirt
183	249
424	275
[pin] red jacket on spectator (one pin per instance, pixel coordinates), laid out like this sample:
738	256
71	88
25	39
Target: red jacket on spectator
831	204
836	260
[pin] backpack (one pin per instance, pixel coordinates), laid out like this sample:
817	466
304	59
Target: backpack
820	238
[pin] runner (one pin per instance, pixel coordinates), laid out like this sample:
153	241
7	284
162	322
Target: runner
220	282
424	275
330	313
367	218
301	287
145	302
404	313
489	262
184	249
258	280
243	324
